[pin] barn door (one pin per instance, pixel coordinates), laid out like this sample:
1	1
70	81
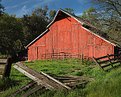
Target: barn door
41	54
40	49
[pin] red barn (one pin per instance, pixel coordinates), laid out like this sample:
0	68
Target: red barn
67	34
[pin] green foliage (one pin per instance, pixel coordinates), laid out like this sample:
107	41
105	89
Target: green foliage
15	33
106	86
110	17
41	12
34	24
91	16
10	35
70	10
52	14
106	16
89	13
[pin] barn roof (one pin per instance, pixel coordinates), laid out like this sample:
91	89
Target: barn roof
86	25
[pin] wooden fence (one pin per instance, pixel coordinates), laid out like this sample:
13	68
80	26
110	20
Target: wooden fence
62	55
43	82
109	61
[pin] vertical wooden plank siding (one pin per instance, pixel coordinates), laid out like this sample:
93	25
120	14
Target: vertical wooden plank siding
67	35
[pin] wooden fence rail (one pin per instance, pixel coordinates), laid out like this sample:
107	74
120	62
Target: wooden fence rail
42	81
41	78
61	55
109	61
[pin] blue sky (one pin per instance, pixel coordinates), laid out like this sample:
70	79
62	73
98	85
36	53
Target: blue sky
21	7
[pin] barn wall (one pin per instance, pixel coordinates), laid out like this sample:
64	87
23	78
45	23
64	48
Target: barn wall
68	36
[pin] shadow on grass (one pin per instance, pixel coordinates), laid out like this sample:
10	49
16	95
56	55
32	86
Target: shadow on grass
7	83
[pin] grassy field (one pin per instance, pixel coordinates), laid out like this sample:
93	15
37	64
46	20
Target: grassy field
105	84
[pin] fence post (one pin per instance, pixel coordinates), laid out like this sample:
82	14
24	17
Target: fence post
81	56
7	67
109	60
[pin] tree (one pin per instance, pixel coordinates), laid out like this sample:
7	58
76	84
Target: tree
70	10
11	35
91	16
1	9
34	24
110	6
110	16
41	12
52	14
15	33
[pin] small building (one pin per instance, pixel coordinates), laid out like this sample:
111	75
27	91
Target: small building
71	36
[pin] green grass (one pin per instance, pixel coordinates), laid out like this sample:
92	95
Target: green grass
109	85
60	67
105	84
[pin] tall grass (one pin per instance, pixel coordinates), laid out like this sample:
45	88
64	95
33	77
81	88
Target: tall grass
108	85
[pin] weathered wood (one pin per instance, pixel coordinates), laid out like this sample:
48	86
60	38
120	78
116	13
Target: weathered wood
111	63
116	62
105	65
2	66
110	60
29	85
7	69
75	84
74	81
71	81
97	62
101	57
3	61
103	62
41	78
51	78
36	88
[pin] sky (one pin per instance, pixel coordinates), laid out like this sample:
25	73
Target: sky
22	7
